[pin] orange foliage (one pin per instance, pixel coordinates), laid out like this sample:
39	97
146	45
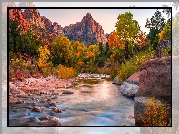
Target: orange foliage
90	55
77	54
114	41
141	39
80	63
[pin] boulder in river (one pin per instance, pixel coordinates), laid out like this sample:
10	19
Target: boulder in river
130	86
56	110
54	121
116	81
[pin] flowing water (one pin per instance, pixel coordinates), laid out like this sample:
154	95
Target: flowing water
94	102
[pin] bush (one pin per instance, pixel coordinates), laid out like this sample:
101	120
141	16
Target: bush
66	72
156	114
24	66
132	65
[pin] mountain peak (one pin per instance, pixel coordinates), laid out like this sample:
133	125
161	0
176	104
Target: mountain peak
88	14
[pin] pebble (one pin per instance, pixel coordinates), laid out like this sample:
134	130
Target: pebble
56	110
36	109
53	104
43	118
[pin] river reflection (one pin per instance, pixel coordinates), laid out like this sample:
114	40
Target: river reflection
98	104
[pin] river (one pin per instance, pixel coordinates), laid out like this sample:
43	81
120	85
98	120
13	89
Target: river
94	102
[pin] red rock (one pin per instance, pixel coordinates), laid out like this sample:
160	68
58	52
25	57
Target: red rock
51	122
43	118
154	80
37	109
19	75
53	104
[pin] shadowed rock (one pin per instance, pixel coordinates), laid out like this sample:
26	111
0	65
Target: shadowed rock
37	109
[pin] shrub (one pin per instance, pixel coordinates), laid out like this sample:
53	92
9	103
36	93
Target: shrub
66	72
156	114
132	65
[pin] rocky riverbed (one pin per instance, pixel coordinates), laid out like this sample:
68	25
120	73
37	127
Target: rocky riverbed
89	101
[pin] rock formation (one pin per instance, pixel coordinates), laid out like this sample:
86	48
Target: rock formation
17	14
130	86
154	80
87	31
33	17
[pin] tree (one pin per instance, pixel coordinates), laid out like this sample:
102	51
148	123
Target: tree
29	44
114	41
78	50
44	54
61	51
155	24
126	29
140	39
165	32
14	36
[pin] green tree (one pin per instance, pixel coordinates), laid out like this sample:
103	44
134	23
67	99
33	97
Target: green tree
14	36
29	44
126	29
155	24
61	51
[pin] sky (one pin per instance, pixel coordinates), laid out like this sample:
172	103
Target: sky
105	17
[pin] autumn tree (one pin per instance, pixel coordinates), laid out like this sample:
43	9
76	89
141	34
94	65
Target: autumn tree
140	39
114	41
79	51
126	30
165	32
44	54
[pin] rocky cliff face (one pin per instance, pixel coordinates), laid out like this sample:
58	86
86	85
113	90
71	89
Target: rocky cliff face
87	31
17	14
34	18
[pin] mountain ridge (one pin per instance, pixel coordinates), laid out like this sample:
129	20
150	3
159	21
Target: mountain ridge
87	30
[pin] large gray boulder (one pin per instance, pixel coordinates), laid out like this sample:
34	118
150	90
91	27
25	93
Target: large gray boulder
130	86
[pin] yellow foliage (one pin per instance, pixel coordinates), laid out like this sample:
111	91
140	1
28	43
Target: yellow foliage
43	56
90	55
112	56
66	72
165	33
